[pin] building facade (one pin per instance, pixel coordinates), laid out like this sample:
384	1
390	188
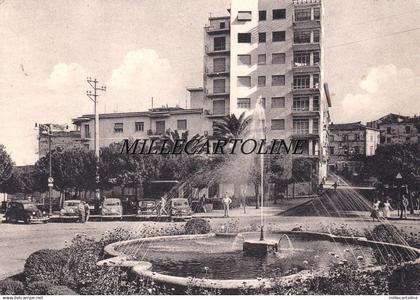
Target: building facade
271	50
397	129
60	140
349	144
115	127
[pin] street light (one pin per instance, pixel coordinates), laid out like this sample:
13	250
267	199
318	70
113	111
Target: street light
399	180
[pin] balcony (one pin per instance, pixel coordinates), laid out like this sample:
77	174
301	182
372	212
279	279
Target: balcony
296	112
216	51
211	29
304	134
156	133
305	89
217	92
305	68
306	2
221	73
309	46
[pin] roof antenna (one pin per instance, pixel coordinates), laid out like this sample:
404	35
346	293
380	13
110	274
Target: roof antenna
152	102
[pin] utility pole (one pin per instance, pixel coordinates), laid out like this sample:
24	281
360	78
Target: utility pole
94	97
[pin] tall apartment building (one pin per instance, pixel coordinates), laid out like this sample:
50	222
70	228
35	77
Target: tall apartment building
60	140
271	49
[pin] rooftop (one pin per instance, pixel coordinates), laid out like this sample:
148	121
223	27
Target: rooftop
349	126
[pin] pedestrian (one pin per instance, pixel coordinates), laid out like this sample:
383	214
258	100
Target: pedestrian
404	207
243	200
87	211
81	211
386	209
163	206
375	210
226	203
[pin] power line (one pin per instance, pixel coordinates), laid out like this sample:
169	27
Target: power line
374	38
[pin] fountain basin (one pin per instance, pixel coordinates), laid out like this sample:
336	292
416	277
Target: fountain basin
260	248
175	260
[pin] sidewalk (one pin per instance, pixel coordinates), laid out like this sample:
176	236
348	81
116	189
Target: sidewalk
251	211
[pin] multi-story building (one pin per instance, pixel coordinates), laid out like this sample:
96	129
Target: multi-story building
349	144
271	50
397	129
60	138
114	127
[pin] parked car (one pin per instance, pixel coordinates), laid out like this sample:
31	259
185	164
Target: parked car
180	209
25	211
70	210
147	206
112	208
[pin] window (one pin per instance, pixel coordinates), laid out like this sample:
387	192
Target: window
244	16
301	81
181	124
278	58
261	37
262	59
356	150
407	129
316	36
317	58
244	59
279	36
356	137
316	103
87	131
302	37
277	102
303	14
219	86
261	81
388	130
302	58
244	103
279	14
244	81
219	65
222	25
388	140
277	124
277	80
332	150
219	43
262	15
316	81
219	107
160	127
300	126
315	126
300	104
139	126
317	13
244	38
118	127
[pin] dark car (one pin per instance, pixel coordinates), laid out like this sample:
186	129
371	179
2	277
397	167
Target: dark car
25	211
147	206
180	209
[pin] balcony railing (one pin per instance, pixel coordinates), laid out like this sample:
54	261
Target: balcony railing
303	2
216	50
305	87
217	29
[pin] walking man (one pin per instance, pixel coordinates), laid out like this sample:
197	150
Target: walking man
81	209
87	211
226	203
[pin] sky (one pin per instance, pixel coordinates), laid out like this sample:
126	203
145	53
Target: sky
154	48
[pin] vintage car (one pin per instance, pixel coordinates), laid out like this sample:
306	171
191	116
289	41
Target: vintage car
25	211
70	210
112	208
179	209
147	207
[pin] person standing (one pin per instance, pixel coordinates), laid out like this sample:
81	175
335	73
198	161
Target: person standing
404	207
226	203
163	206
375	210
386	209
87	211
81	209
243	200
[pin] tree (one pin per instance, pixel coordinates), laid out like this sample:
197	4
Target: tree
6	166
231	127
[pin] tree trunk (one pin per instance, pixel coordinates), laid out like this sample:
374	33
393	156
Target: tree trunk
257	196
